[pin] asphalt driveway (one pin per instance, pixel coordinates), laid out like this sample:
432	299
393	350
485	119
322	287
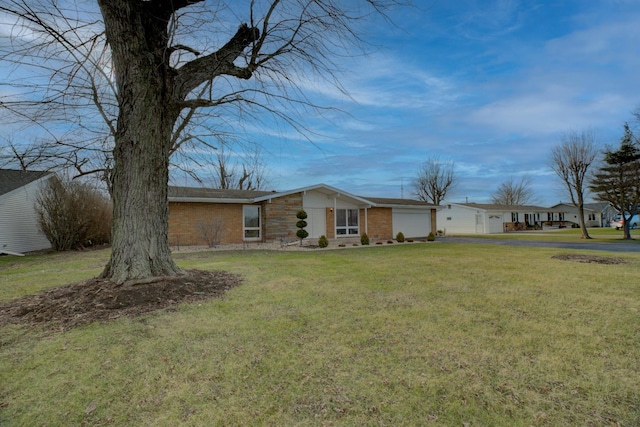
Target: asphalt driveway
588	245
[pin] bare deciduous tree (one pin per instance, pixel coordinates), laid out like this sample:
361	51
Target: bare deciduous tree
246	172
513	192
167	60
434	180
571	160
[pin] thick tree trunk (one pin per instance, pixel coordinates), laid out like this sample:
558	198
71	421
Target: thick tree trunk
140	246
150	96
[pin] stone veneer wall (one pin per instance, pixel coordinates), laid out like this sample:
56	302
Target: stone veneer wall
185	217
279	217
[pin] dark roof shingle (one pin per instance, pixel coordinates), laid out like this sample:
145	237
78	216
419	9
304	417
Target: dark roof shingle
214	193
12	179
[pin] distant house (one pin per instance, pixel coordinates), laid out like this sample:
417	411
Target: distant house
478	218
607	212
19	231
266	216
594	213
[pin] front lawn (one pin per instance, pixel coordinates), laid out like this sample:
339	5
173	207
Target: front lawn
407	334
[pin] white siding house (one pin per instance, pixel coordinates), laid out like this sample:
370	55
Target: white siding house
595	214
19	231
476	218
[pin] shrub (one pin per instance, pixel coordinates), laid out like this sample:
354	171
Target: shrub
73	215
400	237
431	237
301	224
323	242
364	239
212	231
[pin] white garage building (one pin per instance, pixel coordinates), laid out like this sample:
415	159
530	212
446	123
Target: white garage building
477	218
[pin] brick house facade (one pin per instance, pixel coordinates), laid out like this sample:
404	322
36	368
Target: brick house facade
260	216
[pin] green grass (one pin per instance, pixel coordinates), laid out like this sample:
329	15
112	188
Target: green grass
416	334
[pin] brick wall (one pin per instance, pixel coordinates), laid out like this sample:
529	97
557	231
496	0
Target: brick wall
184	219
380	223
279	217
331	228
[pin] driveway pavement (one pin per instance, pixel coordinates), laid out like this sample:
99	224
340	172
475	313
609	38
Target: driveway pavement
588	245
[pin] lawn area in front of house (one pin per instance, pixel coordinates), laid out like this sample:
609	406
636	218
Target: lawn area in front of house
407	334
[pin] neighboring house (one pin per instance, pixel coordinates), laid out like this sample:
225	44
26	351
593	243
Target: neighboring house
592	213
19	230
263	216
477	218
607	212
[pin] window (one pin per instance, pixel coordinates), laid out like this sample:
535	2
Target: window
514	217
251	222
347	222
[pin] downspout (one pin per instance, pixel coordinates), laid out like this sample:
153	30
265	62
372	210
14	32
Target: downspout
433	222
366	220
335	216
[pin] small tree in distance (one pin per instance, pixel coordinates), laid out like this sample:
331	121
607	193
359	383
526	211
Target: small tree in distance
514	193
434	179
571	160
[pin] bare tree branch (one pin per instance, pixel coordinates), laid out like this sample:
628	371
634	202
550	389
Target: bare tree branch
434	180
571	160
514	193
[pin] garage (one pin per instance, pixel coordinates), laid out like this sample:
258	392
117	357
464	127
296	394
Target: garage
411	222
495	224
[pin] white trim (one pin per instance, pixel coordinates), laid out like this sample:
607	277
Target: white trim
347	227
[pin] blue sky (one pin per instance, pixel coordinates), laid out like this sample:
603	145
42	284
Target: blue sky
490	85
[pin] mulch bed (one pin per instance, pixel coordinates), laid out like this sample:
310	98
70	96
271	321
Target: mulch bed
590	259
79	304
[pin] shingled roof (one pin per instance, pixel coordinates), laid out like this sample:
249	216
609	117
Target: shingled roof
195	194
495	207
214	193
13	179
401	202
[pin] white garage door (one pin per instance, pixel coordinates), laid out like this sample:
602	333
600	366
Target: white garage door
495	224
411	222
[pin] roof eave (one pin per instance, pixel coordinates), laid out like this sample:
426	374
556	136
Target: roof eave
208	200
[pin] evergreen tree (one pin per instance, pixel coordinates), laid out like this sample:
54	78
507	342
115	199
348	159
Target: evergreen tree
617	181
